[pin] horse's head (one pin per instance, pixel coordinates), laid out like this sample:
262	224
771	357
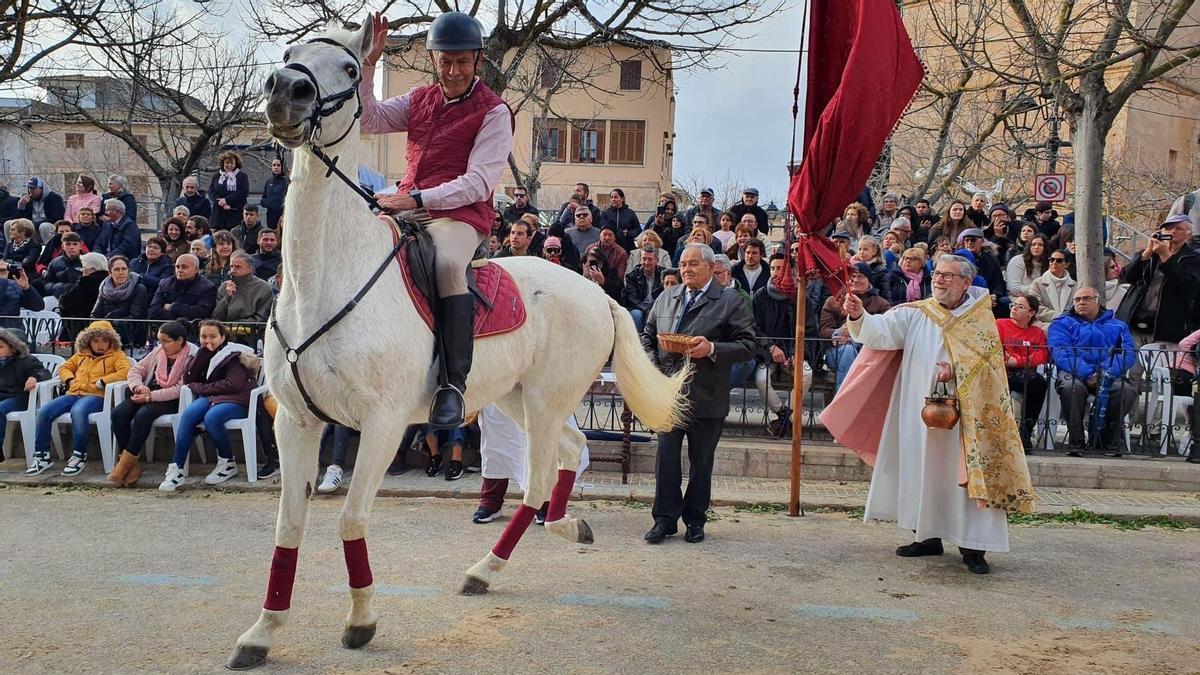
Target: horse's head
317	89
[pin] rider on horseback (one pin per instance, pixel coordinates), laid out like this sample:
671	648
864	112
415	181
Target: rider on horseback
459	137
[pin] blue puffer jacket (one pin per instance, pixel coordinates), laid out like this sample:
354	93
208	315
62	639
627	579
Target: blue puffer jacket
1085	348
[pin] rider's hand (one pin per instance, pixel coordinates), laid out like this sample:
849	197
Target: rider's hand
395	203
379	31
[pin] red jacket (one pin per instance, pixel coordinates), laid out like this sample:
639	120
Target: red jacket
1026	345
440	139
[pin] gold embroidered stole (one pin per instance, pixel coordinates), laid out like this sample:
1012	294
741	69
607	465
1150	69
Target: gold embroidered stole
996	472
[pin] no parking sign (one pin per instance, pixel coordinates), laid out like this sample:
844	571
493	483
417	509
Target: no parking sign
1050	187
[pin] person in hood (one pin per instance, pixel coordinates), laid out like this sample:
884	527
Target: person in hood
97	363
1091	348
841	355
222	376
195	199
19	374
40	204
154	385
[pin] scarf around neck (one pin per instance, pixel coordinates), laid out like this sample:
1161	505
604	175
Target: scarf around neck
229	179
109	292
912	291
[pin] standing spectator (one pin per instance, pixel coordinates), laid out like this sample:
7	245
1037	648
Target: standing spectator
1024	350
953	224
217	269
889	210
1114	288
268	258
1046	218
88	227
1183	380
749	205
677	228
21	249
98	361
245	297
247	232
274	191
8	203
152	266
84	195
704	206
614	253
856	221
583	234
1089	346
1054	290
724	232
172	232
19	374
989	266
118	188
221	376
566	215
519	238
924	221
643	284
1032	263
519	207
195	199
840	356
78	300
120	234
621	219
1169	267
187	295
911	280
122	296
41	205
723	334
66	269
749	272
228	191
154	385
977	213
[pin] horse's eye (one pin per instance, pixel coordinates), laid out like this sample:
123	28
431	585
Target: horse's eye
287	53
352	72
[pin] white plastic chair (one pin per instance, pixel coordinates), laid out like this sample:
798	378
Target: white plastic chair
27	419
1171	406
51	303
41	327
102	420
246	425
172	420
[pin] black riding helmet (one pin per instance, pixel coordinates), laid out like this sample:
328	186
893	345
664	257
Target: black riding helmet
454	32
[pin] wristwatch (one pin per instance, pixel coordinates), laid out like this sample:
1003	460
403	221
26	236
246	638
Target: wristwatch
416	195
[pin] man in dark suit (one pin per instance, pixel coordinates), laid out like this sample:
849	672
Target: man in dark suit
750	272
723	330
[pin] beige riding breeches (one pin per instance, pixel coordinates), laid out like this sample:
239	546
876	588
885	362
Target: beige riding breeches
455	243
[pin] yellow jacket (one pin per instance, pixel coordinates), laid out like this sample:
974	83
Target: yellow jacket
84	369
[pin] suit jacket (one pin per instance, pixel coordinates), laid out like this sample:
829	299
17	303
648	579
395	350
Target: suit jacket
722	316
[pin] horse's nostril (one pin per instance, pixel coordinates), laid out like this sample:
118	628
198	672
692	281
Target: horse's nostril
301	89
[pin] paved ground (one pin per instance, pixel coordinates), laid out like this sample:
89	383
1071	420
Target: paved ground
134	581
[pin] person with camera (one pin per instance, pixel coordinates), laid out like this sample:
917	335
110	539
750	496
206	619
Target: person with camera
21	248
1161	303
16	294
597	268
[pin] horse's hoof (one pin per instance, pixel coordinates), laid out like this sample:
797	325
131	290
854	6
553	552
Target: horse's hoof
585	533
357	637
474	586
247	657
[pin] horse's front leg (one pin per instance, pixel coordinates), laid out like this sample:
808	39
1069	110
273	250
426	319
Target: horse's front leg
298	448
381	436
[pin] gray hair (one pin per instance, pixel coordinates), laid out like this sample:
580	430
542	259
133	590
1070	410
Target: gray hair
190	178
94	261
242	255
965	267
721	259
982	195
119	180
650	248
706	252
186	211
114	204
194	260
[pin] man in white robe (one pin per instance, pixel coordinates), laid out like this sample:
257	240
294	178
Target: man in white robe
920	478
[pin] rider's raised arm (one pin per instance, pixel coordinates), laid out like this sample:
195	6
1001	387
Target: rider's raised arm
377	117
485	165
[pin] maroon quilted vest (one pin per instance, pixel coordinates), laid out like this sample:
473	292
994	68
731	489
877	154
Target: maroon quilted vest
440	140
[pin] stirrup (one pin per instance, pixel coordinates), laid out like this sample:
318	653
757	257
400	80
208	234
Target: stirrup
442	425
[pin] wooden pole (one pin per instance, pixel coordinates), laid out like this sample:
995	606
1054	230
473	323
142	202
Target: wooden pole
794	508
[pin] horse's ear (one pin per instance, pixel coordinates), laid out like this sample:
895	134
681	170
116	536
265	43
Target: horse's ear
362	39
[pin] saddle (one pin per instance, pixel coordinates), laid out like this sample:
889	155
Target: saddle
499	308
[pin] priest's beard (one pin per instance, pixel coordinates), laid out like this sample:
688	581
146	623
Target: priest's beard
948	297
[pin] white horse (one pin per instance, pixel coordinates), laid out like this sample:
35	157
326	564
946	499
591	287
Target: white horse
373	370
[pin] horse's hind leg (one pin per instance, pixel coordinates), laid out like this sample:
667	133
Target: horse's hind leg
377	446
298	463
570	451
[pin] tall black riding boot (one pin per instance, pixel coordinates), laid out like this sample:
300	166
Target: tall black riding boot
455	324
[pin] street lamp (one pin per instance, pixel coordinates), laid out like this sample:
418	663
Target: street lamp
772	211
1024	109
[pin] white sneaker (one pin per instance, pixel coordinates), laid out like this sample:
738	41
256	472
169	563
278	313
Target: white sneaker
74	466
41	463
226	469
333	478
173	480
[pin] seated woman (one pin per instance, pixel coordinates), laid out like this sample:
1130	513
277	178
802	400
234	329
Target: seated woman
1024	350
201	251
98	362
123	296
217	269
152	265
651	238
172	233
222	376
910	281
21	248
154	384
19	374
78	301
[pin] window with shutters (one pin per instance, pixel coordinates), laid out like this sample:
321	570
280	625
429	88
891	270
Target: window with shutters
626	142
587	141
631	75
550	140
74	142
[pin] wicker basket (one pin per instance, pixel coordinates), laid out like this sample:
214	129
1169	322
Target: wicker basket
675	342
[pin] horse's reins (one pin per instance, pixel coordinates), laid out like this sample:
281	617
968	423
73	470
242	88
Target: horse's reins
321	111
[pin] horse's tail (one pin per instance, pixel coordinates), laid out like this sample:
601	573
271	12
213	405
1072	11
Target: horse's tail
655	398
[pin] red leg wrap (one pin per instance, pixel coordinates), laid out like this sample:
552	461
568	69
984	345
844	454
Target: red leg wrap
560	495
283	576
357	564
512	534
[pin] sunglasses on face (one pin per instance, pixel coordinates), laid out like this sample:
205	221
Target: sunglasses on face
581	215
1058	260
553	249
